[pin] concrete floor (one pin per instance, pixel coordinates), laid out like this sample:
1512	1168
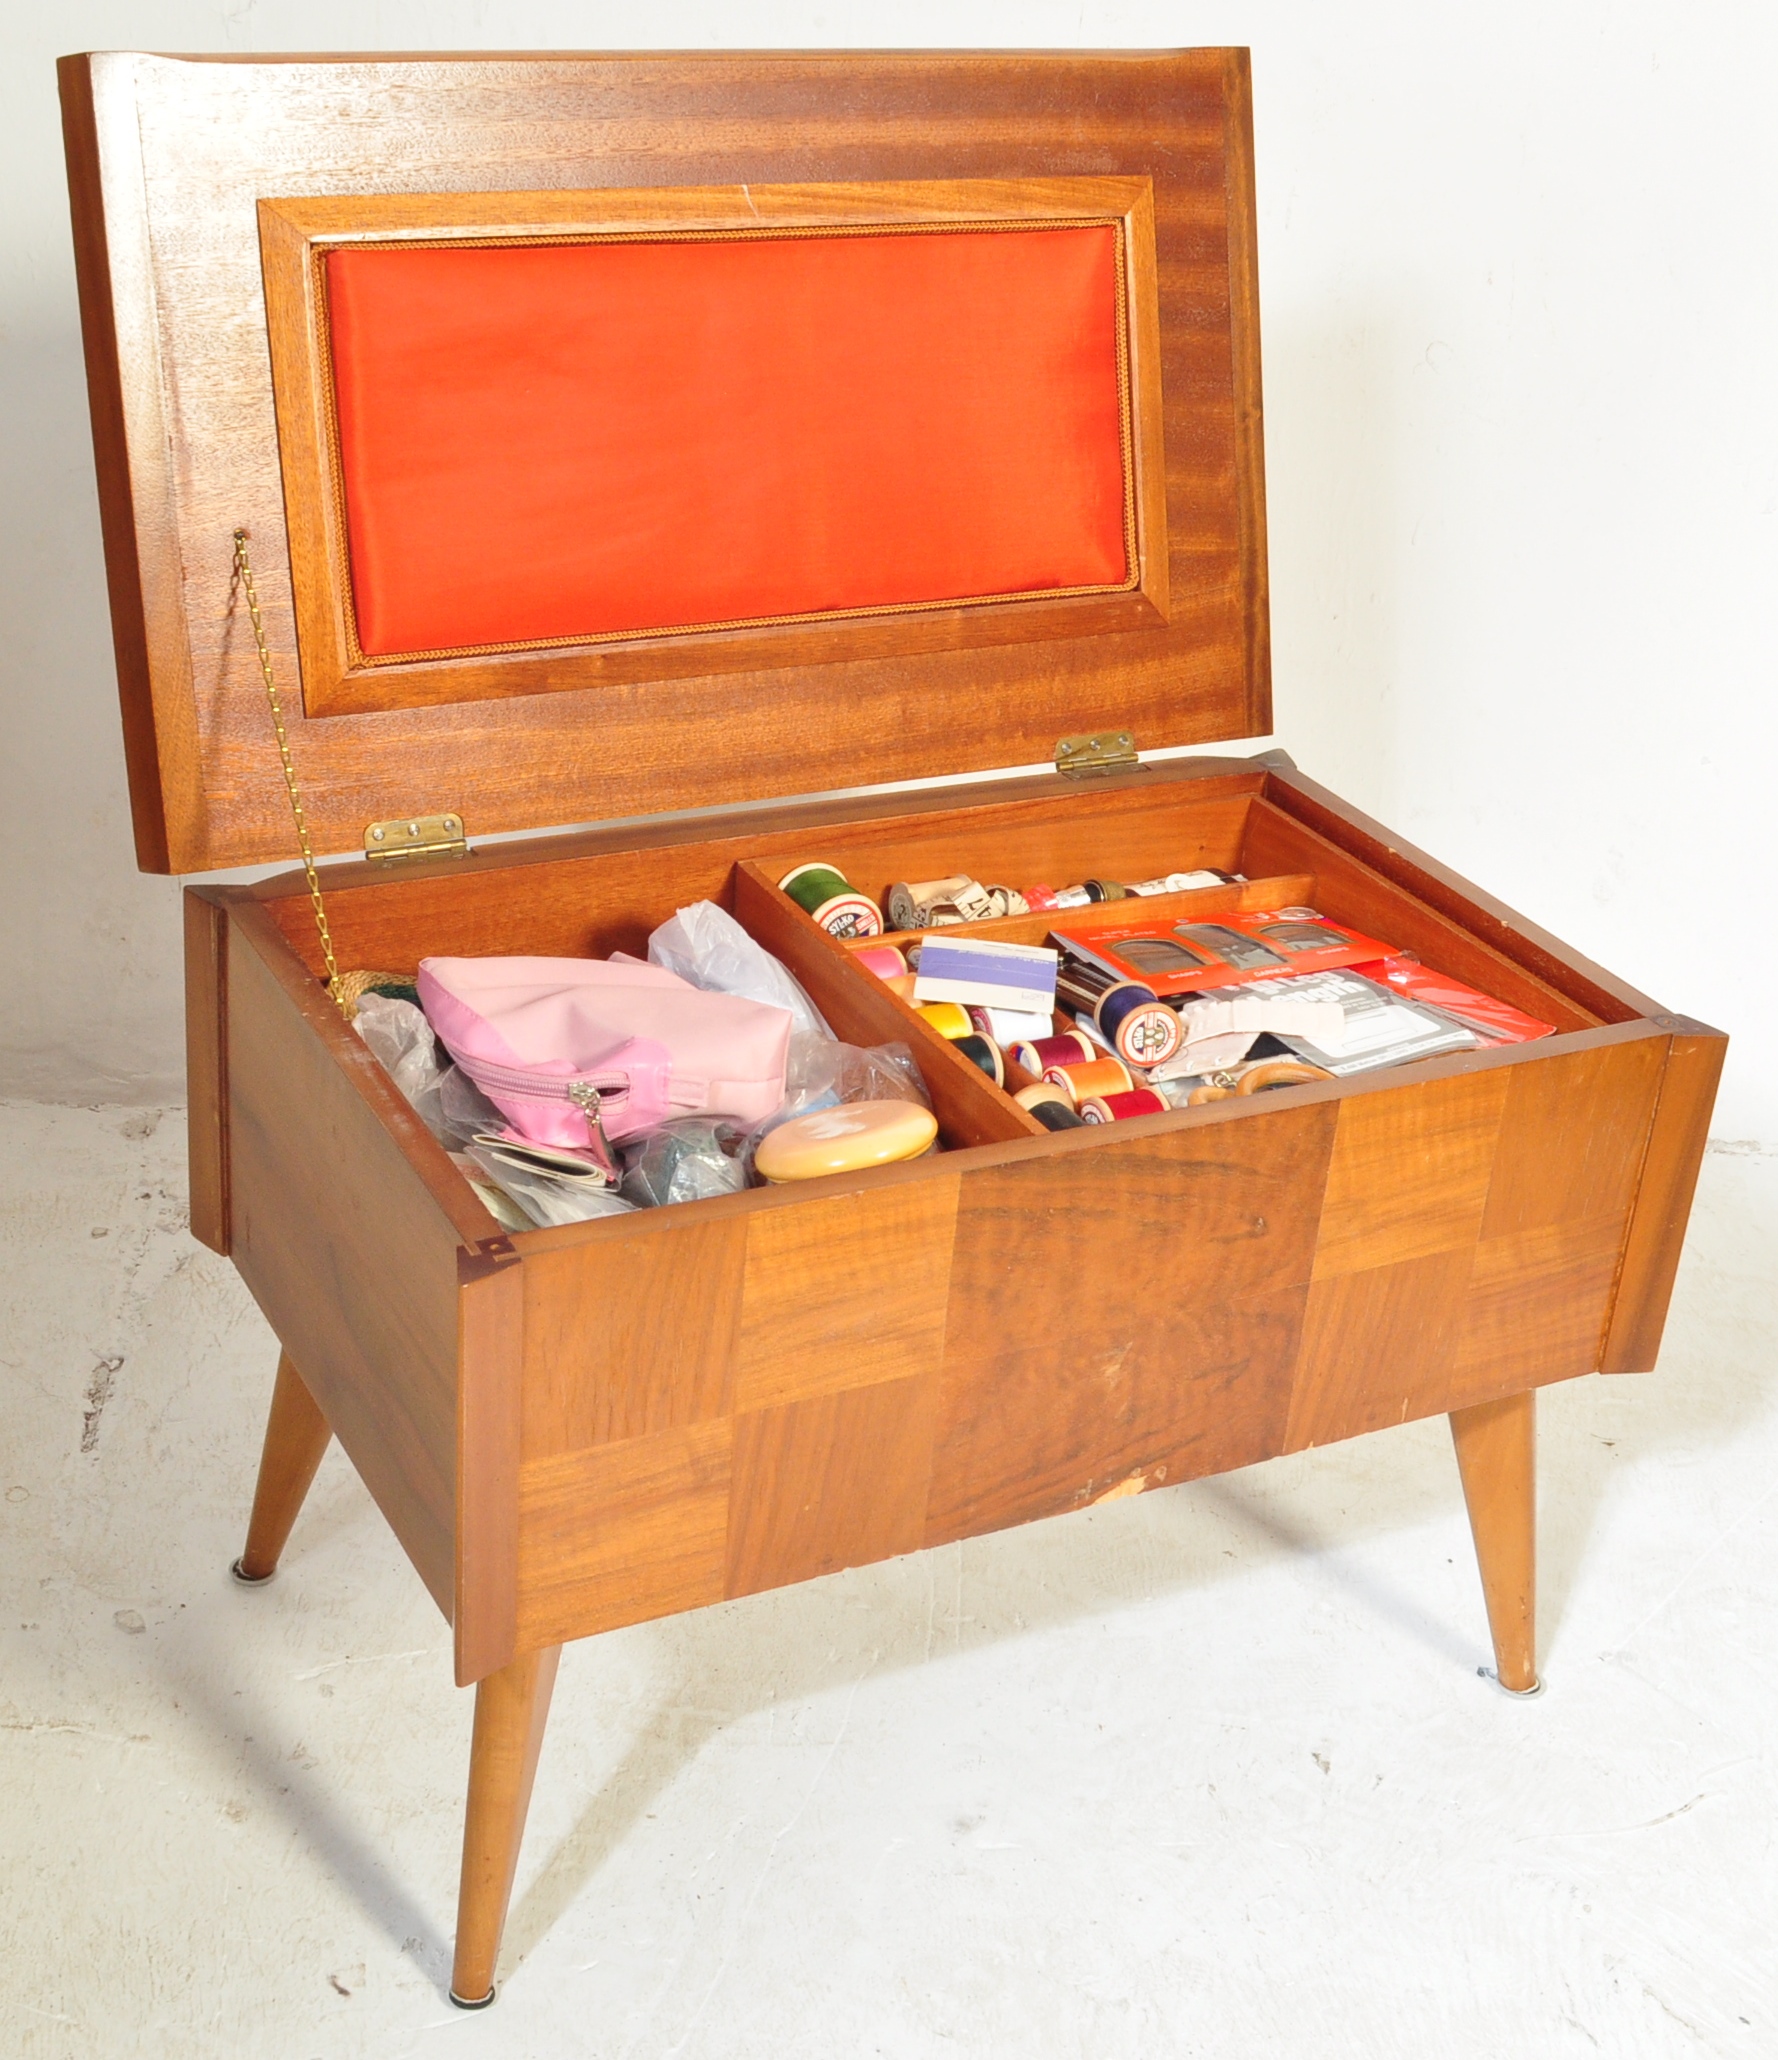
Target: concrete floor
1205	1773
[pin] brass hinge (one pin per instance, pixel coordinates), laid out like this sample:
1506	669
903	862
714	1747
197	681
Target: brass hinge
417	836
1106	751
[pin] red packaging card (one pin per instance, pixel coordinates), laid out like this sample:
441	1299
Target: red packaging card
1494	1022
1181	958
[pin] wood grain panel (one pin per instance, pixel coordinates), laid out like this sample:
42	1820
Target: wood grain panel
350	1254
1503	929
1243	261
206	1067
604	890
845	1291
631	1331
1124	1307
835	1481
1351	891
619	1533
168	159
1377	1346
1537	1305
1676	1143
1572	1136
490	1376
1410	1172
114	272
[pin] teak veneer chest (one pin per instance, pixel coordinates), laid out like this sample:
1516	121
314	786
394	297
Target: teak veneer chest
921	429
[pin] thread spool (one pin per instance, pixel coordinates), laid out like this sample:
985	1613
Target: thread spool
1057	1116
1091	1077
1179	883
984	1054
1119	1108
1007	1027
1145	1031
822	891
1038	1054
949	1018
1040	1092
910	903
883	960
1081	895
1131	1017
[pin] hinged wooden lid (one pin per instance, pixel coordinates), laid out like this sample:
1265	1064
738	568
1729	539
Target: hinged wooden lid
247	234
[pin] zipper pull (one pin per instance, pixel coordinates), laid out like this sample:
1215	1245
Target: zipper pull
585	1096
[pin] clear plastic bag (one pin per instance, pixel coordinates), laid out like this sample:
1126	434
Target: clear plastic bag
402	1042
464	1111
823	1075
688	1160
705	945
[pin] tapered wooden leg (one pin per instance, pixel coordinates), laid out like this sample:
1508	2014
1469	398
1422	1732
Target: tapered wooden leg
511	1709
296	1436
1497	1457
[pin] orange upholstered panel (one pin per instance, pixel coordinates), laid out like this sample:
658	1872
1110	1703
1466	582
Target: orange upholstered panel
557	443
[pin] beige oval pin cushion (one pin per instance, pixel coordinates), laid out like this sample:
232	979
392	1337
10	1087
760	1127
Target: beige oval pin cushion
844	1139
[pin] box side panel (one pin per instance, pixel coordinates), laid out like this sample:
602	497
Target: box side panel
347	1252
490	1388
1664	1199
605	890
1125	1314
1490	922
755	1397
206	1067
719	1405
1471	1237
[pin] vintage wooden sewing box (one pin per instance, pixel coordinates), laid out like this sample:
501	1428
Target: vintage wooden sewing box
786	424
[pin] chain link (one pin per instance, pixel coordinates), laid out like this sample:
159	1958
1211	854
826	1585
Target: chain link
244	572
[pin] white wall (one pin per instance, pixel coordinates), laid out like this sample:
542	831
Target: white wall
1518	306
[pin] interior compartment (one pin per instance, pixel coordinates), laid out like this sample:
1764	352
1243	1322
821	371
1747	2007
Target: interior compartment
604	892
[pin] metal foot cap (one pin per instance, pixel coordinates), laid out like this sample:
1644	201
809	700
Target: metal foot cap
1517	1694
464	2002
248	1580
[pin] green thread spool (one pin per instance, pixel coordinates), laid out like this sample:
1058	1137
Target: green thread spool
983	1054
822	891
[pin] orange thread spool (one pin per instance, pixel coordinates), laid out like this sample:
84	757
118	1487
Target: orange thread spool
1090	1077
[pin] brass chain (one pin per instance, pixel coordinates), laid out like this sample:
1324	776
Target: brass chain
244	572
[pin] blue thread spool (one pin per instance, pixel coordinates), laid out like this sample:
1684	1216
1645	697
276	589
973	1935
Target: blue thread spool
1138	1025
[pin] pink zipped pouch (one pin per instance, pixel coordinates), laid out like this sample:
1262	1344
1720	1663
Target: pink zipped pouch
568	1047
